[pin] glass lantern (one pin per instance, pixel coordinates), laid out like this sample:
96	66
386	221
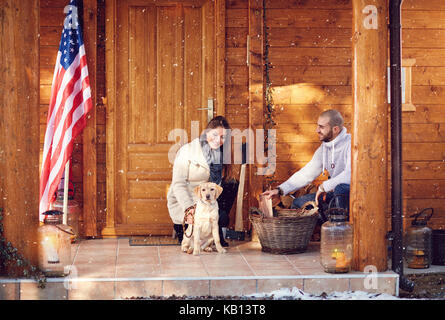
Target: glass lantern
336	242
72	214
418	240
55	245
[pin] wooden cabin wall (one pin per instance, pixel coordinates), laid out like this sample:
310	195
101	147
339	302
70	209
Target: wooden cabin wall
310	51
423	39
237	75
237	71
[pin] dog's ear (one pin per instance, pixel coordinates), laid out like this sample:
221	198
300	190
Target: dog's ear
197	191
219	190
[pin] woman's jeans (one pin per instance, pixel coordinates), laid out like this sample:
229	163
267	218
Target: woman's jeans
341	202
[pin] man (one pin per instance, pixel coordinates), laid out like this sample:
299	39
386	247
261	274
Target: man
334	155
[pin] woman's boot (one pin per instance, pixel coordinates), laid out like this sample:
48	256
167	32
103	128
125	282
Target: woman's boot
179	232
221	238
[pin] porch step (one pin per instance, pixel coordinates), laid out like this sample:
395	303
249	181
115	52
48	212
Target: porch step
126	288
105	269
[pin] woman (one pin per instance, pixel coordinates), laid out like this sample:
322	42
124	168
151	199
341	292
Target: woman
199	161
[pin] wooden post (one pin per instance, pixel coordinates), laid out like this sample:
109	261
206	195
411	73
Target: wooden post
369	178
19	124
220	26
89	133
256	89
110	69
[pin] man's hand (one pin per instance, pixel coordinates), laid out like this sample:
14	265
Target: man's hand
270	193
319	192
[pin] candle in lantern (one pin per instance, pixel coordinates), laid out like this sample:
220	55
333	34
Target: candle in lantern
336	242
49	245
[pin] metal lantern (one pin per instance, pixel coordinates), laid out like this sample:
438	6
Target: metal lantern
55	245
336	241
418	241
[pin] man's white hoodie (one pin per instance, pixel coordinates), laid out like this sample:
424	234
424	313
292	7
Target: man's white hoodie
335	156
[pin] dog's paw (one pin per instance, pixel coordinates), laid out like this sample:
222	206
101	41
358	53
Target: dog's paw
184	248
190	250
208	249
222	250
196	252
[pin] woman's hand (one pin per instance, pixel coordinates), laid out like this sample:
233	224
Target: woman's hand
270	193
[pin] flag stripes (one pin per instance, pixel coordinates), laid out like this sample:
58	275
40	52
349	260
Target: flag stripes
70	101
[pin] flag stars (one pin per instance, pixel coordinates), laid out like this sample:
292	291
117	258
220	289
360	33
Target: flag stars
71	46
71	40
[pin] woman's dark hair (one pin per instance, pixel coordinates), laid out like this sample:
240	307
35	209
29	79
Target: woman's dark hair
228	168
218	121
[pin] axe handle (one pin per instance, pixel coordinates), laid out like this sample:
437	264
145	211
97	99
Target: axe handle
239	200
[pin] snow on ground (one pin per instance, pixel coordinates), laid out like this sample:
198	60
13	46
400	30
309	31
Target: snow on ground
296	294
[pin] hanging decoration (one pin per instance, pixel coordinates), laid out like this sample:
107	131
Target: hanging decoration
269	107
267	66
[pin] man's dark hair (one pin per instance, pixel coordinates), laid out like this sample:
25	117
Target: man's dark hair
335	117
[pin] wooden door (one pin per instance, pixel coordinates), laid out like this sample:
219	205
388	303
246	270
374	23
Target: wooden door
163	70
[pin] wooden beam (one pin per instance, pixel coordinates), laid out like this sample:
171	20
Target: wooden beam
19	124
89	133
110	56
220	30
256	88
369	180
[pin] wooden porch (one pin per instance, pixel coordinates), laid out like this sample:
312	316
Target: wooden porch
106	269
313	53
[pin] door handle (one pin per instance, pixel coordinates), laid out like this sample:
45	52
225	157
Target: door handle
209	109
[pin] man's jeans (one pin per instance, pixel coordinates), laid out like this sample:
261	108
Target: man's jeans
341	201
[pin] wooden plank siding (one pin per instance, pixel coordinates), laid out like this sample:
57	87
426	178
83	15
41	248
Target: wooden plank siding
19	125
237	76
237	70
310	51
423	39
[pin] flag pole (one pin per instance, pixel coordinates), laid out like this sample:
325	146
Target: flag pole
65	193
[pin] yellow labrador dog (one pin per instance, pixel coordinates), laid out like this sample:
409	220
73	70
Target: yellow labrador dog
205	228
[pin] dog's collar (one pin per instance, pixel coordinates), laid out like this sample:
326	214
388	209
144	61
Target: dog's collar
207	203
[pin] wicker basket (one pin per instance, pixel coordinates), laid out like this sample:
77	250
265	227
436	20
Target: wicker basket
287	233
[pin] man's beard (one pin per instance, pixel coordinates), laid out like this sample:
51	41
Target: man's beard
328	137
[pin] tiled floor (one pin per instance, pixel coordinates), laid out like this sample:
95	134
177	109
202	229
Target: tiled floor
112	269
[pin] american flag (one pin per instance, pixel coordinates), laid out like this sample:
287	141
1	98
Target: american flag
69	103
